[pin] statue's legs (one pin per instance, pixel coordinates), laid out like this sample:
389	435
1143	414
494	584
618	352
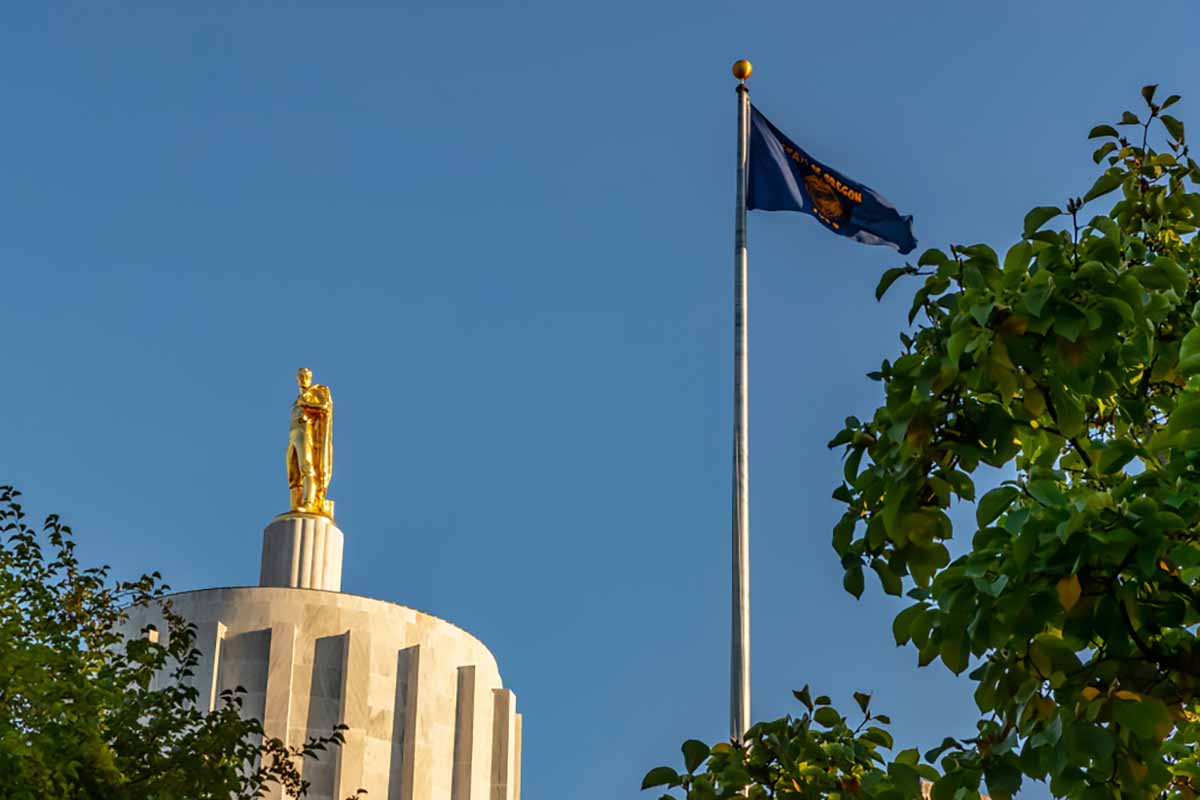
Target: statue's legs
302	476
294	476
309	492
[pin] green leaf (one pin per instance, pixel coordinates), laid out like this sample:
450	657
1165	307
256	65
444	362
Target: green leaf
843	436
992	588
933	755
1148	92
1067	411
1173	126
1038	217
957	343
1119	453
804	697
863	699
1170	101
920	527
961	483
660	776
1035	297
889	580
843	533
1148	717
923	562
1103	185
1085	741
1016	261
1069	323
1103	130
850	468
981	313
994	503
919	299
1189	353
1176	274
1163	273
980	251
1047	493
1050	734
934	258
1129	118
694	753
1051	654
878	736
902	624
1003	778
889	277
1115	306
1103	150
827	716
954	651
1186	416
852	582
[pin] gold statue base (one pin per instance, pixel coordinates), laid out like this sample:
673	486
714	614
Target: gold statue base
326	510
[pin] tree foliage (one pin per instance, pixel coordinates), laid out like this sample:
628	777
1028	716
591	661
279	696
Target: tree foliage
85	714
816	755
1071	365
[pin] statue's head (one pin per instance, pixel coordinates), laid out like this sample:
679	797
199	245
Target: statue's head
304	377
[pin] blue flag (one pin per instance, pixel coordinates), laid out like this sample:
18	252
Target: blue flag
785	178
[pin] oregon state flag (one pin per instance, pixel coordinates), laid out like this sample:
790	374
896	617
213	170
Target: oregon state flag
785	178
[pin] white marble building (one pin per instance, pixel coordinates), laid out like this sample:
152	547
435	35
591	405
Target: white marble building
428	715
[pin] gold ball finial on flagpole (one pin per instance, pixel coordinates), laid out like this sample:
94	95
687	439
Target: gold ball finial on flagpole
742	69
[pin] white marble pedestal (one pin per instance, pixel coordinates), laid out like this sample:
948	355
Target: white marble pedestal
302	551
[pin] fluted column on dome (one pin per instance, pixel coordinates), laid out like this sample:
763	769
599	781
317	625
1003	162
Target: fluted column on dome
302	551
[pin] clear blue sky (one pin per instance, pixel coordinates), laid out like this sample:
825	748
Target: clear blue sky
501	232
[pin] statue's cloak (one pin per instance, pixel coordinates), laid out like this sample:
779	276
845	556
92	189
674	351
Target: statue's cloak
323	438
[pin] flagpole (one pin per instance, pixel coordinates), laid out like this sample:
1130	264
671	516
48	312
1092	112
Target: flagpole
739	701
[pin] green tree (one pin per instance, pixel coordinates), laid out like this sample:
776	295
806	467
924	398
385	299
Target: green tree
80	713
1073	365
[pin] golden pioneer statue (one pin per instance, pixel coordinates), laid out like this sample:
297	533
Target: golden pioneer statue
310	447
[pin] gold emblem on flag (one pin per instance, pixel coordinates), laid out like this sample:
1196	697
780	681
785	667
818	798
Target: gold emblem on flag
825	199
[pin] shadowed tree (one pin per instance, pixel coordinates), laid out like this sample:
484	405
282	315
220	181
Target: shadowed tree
86	714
